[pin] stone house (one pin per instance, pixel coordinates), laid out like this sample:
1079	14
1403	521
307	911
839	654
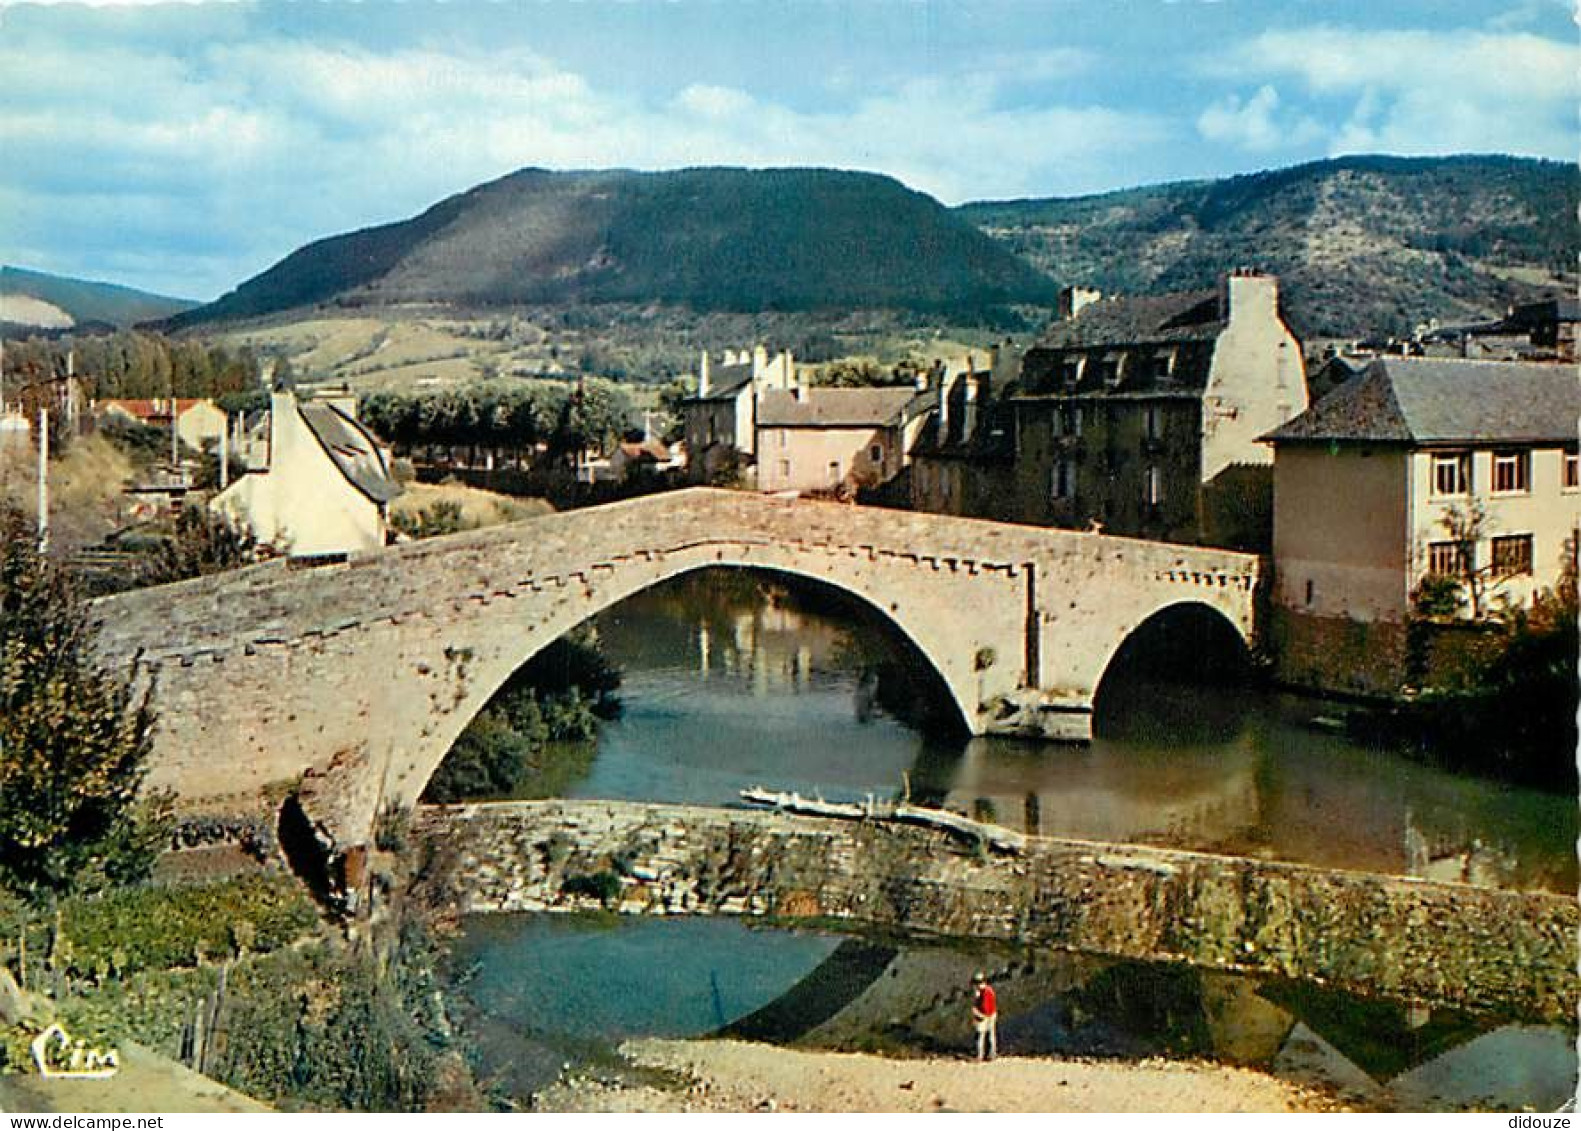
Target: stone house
720	422
832	439
1142	415
963	462
326	487
198	421
1416	467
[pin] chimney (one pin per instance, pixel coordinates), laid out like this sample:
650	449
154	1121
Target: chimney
702	376
1248	293
969	413
760	360
944	402
1073	298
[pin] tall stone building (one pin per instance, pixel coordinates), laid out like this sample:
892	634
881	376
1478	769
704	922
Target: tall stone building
720	422
1142	415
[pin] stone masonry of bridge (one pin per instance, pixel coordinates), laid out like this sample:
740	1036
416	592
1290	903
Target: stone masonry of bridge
1443	944
360	675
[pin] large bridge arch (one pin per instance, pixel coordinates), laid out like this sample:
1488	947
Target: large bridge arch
359	676
412	778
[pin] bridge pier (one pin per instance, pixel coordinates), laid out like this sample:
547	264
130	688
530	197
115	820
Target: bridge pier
1029	713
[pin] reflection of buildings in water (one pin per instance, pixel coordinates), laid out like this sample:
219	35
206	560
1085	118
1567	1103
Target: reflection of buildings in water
776	649
1190	799
1455	856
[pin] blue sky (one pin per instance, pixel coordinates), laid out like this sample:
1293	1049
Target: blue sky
183	148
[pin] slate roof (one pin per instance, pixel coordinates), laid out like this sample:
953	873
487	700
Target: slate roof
353	449
1184	316
1431	401
836	408
725	382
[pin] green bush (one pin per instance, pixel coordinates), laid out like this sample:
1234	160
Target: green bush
160	928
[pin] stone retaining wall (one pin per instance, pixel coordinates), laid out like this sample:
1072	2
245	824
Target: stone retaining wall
1443	944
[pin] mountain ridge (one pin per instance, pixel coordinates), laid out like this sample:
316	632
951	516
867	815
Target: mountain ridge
89	301
1361	243
713	238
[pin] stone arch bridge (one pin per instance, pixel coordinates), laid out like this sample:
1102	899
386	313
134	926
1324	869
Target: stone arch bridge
359	676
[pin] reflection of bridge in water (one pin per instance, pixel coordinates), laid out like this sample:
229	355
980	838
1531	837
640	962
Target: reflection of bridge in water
868	994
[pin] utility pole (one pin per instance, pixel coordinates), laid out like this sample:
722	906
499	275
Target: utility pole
225	457
43	480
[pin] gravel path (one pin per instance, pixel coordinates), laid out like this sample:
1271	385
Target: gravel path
738	1076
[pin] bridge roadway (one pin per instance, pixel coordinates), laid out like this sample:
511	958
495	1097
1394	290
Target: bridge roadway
360	675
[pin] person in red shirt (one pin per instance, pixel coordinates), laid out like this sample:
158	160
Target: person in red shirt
985	1017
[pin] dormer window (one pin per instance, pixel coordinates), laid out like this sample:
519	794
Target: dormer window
1112	368
1164	365
1070	372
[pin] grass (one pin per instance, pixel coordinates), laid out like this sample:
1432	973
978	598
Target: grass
84	487
479	508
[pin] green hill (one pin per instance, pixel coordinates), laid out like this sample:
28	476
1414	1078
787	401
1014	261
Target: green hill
88	302
1360	243
710	239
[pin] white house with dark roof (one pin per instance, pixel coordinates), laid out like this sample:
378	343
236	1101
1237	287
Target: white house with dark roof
720	422
326	487
1143	413
1417	467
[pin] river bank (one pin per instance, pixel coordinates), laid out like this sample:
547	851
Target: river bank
734	1076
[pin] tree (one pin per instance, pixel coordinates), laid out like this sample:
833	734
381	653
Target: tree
1467	527
74	740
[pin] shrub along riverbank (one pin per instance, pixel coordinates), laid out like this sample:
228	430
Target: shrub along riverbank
535	737
241	981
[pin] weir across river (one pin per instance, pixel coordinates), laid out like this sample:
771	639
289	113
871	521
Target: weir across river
1441	944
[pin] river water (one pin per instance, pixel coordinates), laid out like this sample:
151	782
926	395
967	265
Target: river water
731	680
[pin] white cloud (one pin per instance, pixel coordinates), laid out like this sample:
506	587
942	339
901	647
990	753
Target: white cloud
1443	91
1254	123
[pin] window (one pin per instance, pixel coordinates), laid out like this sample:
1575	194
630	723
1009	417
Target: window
1512	555
834	473
1448	559
1071	370
1572	479
1452	473
1153	492
1511	472
1311	590
1154	422
1063	485
876	453
784	437
784	469
1070	420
